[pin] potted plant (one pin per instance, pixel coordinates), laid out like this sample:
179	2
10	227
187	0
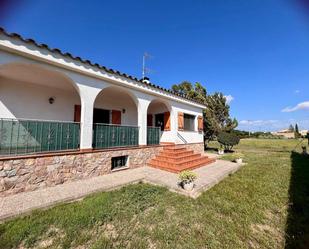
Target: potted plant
221	150
187	179
237	157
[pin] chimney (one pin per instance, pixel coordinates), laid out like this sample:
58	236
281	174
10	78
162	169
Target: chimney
146	80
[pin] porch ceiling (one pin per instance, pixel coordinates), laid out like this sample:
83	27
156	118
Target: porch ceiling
32	74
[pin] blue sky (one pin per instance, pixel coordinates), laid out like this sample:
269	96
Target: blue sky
256	51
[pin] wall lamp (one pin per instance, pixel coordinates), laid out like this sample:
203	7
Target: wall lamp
51	100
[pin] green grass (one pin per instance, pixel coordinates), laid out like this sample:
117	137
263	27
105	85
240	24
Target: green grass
264	205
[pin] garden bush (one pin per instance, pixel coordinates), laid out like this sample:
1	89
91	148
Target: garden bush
228	140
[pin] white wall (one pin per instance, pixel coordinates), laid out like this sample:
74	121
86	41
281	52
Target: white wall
117	100
175	136
30	101
187	136
35	104
156	107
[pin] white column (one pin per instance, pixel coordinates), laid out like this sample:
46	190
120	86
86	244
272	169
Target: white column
86	125
88	97
142	120
174	124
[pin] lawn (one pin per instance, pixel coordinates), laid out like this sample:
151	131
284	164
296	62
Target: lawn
264	205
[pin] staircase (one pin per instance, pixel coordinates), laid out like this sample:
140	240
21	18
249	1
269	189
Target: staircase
177	158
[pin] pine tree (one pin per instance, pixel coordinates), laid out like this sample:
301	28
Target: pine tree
196	92
296	132
217	117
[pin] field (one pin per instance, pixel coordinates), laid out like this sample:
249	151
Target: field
263	205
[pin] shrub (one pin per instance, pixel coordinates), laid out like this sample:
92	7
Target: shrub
228	140
187	176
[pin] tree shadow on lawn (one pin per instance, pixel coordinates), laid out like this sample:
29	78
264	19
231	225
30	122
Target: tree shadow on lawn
297	226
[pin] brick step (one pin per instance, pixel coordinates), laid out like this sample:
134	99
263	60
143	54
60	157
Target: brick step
167	143
177	169
173	158
174	149
186	162
177	158
203	162
176	154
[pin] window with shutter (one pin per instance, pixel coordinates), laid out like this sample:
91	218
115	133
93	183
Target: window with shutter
167	121
116	117
188	123
77	113
180	121
200	123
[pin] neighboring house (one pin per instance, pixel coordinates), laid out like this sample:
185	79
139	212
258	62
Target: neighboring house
285	133
290	134
64	118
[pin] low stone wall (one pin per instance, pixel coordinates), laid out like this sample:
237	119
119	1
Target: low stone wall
30	173
197	147
20	175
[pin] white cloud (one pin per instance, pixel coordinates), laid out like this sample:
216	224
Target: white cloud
257	122
300	106
229	98
260	125
271	125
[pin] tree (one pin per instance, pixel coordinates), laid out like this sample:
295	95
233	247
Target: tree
196	92
217	117
291	128
217	113
296	132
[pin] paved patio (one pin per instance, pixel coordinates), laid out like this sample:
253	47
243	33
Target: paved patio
23	203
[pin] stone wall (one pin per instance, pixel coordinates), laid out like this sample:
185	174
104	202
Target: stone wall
31	173
20	175
197	147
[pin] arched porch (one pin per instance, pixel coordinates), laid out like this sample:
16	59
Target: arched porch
115	118
36	110
158	121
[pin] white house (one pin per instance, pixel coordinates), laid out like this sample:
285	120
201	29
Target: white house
54	106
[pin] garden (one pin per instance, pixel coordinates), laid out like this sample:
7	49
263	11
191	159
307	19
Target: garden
264	205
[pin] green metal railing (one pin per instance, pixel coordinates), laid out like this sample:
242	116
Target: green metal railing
153	135
108	136
33	136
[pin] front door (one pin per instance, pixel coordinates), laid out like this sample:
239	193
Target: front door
159	121
101	116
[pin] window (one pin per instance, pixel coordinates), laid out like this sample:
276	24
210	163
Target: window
101	116
188	122
119	162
